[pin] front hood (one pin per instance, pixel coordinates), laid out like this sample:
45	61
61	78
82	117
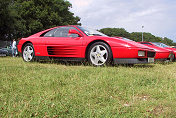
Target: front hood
172	49
131	43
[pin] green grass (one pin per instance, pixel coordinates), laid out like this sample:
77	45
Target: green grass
58	90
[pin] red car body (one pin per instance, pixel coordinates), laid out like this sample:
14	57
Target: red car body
77	46
162	54
165	47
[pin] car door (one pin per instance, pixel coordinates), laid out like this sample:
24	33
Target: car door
59	43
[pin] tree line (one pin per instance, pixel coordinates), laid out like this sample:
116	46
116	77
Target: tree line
22	18
136	36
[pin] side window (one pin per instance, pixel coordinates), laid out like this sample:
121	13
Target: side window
64	32
73	35
50	33
61	32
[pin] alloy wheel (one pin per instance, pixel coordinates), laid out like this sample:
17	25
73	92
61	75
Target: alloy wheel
98	55
28	53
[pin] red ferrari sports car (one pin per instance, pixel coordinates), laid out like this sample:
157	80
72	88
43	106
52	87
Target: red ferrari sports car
79	43
162	54
165	46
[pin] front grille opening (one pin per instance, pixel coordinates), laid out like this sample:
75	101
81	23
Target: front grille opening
150	54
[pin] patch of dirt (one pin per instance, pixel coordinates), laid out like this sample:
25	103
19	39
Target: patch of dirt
158	110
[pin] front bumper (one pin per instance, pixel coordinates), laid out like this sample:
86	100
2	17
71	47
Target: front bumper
131	60
19	48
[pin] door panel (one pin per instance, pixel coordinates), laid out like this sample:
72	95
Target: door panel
59	43
64	46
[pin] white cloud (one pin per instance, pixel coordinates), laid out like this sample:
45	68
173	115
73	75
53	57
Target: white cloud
157	16
80	6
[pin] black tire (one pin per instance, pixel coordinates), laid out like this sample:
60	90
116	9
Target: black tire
172	58
102	57
28	53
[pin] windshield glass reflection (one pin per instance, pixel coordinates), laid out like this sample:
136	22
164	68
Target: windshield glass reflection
90	32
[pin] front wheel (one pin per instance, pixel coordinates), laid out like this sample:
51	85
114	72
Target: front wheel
28	52
171	57
99	54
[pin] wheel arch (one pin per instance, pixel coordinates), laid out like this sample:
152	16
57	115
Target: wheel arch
25	44
99	40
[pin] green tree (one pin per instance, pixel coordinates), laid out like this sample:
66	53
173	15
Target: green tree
137	36
37	15
173	44
23	18
6	20
167	41
115	32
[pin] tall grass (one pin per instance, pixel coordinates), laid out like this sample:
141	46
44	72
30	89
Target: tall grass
59	90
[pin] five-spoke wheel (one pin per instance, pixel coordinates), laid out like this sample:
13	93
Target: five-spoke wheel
99	54
28	52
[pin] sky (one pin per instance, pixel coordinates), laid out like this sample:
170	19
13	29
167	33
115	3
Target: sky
157	16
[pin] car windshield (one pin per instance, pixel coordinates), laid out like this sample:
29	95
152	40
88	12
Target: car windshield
90	32
160	44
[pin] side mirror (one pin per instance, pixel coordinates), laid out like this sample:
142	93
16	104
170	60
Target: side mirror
73	31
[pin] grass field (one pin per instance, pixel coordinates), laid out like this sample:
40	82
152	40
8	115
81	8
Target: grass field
59	90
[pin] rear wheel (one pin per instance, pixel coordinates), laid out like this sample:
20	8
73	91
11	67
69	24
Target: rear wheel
28	53
99	54
174	58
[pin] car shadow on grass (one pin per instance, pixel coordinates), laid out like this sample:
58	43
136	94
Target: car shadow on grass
84	63
66	63
144	66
